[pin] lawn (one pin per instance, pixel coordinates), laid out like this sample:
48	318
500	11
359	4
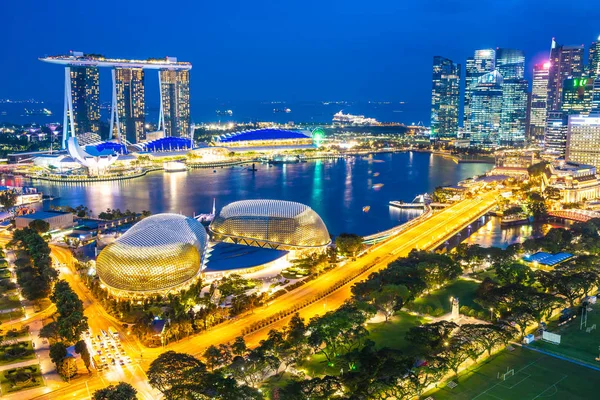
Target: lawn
9	302
576	343
17	352
16	379
7	316
438	302
4	274
534	376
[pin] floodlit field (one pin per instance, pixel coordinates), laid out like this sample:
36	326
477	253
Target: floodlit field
535	376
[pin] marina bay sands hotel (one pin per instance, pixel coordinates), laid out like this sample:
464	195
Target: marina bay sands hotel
127	116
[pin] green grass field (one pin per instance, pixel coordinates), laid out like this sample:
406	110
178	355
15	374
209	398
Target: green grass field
574	342
17	379
391	334
536	376
440	299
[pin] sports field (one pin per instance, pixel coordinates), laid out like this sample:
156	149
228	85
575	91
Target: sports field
534	376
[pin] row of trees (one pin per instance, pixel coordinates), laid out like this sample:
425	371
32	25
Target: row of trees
115	213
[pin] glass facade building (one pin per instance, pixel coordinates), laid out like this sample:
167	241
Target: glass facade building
538	108
129	84
565	62
486	109
594	59
274	224
583	140
578	96
160	254
175	107
445	97
555	136
510	63
85	93
481	63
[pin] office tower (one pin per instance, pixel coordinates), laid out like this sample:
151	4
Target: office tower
577	96
129	86
175	102
596	96
510	63
555	136
539	96
481	63
583	140
486	109
565	62
594	59
445	96
85	95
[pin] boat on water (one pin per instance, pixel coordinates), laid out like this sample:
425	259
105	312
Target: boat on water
227	113
420	201
282	110
340	118
174	166
366	209
286	159
41	111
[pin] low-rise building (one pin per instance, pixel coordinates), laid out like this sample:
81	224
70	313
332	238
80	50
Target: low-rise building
56	219
576	182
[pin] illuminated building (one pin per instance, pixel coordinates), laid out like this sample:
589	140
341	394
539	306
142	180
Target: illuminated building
555	135
267	138
175	102
583	140
275	224
594	59
565	62
84	96
577	96
510	63
539	95
161	254
576	182
445	96
481	63
130	112
486	109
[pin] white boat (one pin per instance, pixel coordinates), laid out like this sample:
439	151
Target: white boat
174	166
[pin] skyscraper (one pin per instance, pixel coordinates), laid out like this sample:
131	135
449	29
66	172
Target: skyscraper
481	63
129	86
539	96
85	93
583	140
486	109
565	62
555	136
594	59
577	96
445	96
510	63
175	102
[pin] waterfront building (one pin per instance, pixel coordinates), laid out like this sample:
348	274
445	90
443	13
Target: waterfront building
445	96
55	219
583	140
565	62
267	139
130	105
578	96
539	96
555	135
276	224
481	63
594	59
84	96
161	254
486	109
576	182
175	102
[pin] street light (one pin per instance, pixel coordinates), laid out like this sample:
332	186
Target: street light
491	315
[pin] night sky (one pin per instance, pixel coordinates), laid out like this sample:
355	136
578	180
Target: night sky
284	50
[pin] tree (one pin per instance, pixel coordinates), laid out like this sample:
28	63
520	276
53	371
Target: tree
173	369
522	317
121	391
325	388
390	299
8	199
81	349
515	273
50	331
348	244
454	353
39	225
536	205
71	322
430	337
67	368
238	348
58	351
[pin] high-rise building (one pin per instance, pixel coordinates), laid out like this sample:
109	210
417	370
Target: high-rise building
486	109
594	59
481	63
129	86
539	96
175	102
583	140
577	96
596	96
565	62
85	94
555	135
445	97
510	63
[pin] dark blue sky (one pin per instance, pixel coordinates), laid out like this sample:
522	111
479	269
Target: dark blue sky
286	49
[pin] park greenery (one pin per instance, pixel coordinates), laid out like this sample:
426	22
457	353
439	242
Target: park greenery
8	199
120	391
348	244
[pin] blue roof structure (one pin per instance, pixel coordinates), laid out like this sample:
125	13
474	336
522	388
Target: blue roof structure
167	144
105	149
229	256
548	259
43	214
261	134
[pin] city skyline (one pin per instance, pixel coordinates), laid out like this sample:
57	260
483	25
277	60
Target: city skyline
304	43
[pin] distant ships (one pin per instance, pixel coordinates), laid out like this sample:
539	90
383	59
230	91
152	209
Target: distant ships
227	113
340	118
41	111
282	110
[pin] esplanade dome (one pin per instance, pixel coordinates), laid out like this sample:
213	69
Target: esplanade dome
160	253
